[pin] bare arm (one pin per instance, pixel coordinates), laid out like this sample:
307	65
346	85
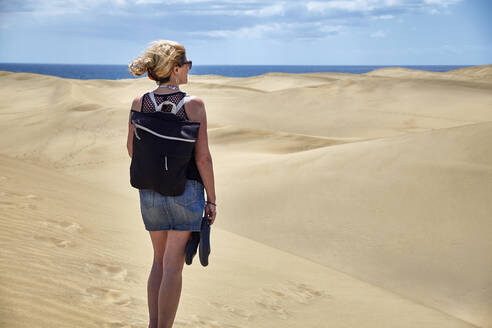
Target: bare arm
136	105
196	112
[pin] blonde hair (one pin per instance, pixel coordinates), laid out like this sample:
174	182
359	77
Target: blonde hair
160	58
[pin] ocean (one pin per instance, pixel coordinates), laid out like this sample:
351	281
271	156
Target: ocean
117	72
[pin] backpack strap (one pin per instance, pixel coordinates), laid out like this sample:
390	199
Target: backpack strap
175	108
181	103
151	95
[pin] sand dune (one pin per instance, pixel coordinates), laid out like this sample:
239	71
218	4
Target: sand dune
264	83
70	260
268	141
480	74
344	200
408	213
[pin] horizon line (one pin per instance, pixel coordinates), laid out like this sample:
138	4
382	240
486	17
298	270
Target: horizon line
198	65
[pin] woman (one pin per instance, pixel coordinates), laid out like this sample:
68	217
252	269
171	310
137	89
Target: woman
170	220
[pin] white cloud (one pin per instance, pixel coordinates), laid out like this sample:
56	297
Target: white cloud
384	17
277	30
348	5
185	2
61	7
273	10
221	10
444	3
256	31
322	7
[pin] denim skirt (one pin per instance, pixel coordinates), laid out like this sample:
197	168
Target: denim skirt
183	212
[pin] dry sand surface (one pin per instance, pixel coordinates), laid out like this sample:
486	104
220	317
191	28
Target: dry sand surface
344	200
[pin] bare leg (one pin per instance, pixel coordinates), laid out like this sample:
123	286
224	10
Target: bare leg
153	284
170	289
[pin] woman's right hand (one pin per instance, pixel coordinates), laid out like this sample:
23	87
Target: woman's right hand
210	212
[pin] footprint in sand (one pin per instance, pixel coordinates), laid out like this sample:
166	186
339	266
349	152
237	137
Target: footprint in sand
108	296
202	322
26	196
231	309
65	225
119	324
279	298
272	305
298	292
52	241
112	271
305	294
14	200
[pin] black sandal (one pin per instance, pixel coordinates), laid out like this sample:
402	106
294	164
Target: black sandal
204	250
191	246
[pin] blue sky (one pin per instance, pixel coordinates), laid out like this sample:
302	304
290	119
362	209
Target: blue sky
250	32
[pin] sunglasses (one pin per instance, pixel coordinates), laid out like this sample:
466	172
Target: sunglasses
188	62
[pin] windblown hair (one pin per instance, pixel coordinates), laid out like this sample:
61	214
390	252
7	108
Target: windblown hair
160	58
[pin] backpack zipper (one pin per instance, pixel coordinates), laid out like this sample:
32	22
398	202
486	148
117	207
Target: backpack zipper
165	162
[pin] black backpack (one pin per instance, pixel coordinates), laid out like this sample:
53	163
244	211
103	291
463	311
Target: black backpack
162	149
